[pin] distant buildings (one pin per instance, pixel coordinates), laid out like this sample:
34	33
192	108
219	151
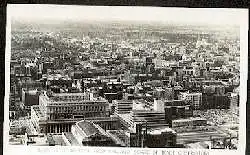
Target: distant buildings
164	93
215	101
214	97
234	102
194	98
107	90
174	108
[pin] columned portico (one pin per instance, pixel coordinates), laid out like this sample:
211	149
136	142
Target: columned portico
58	128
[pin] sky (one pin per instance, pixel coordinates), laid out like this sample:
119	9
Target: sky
163	14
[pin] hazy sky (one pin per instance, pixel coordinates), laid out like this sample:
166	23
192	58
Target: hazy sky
178	15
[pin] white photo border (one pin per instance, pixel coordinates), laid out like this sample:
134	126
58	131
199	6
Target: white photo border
31	150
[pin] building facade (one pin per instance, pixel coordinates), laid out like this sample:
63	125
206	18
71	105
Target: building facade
194	98
60	111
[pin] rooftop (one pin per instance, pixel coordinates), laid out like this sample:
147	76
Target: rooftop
88	128
122	102
161	130
145	111
70	137
68	94
37	110
190	119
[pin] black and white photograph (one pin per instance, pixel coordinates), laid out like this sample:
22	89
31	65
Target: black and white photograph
132	77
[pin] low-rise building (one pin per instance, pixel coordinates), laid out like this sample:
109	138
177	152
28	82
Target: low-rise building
86	133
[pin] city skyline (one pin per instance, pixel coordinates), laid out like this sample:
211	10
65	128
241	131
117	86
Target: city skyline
204	16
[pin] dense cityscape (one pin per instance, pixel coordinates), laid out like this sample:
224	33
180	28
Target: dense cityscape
125	84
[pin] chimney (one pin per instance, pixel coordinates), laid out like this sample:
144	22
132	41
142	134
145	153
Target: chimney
168	116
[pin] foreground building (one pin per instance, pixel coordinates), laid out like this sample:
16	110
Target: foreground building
159	137
86	133
57	112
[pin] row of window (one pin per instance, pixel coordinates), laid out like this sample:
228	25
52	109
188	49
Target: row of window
76	103
188	72
68	97
83	107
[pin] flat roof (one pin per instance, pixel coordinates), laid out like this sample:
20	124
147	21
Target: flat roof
145	111
124	101
88	127
32	92
68	94
158	131
38	111
189	119
70	137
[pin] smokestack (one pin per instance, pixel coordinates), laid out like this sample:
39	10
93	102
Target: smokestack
139	134
168	116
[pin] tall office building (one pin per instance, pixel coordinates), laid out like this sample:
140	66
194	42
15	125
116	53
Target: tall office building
194	98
